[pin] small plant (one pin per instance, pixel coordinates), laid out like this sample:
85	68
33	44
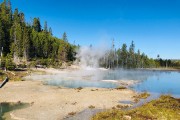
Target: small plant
141	96
144	95
121	88
136	100
119	106
122	106
74	103
79	88
9	64
72	113
91	107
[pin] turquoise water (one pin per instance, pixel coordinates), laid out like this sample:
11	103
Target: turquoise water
163	83
94	78
156	82
81	83
153	81
7	107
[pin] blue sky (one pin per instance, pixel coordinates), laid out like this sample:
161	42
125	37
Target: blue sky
154	25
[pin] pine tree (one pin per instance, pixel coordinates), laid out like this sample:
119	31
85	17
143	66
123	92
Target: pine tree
26	43
65	37
54	50
22	19
45	27
2	38
9	4
9	12
35	44
138	59
37	25
62	53
5	26
16	16
3	11
124	54
19	40
50	31
143	60
132	55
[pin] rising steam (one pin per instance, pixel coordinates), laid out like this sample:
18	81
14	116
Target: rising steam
88	56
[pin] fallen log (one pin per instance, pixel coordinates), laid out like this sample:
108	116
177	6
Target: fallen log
4	82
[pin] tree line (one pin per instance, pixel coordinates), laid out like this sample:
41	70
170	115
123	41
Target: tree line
21	41
127	57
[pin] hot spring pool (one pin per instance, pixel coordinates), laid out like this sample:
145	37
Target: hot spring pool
156	82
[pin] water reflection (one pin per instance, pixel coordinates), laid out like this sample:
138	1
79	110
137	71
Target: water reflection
153	81
164	83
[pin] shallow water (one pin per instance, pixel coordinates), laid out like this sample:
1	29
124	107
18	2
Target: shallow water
7	107
80	83
163	83
84	115
155	82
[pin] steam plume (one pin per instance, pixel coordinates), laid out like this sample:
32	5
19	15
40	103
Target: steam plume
90	56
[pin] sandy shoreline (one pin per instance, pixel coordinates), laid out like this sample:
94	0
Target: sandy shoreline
163	69
53	103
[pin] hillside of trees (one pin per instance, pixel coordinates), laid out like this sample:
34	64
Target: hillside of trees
21	42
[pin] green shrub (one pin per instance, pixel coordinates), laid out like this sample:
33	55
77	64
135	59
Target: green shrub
9	64
22	65
3	62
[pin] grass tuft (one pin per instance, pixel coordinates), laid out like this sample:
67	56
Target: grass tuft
144	95
122	106
79	88
91	107
72	113
121	88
